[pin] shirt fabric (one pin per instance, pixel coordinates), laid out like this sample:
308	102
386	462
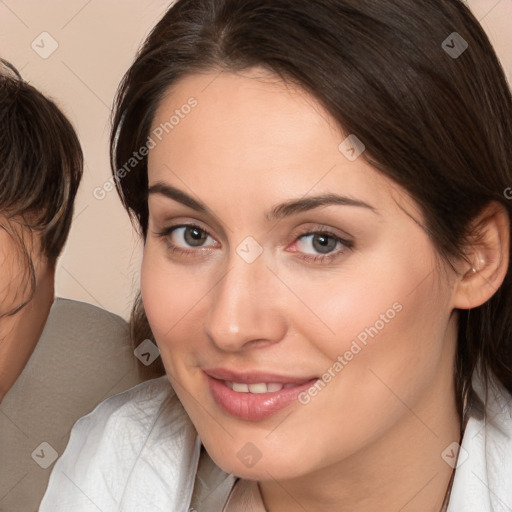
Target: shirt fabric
84	355
138	451
245	496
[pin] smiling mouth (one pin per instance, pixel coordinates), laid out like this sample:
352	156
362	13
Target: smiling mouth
255	401
260	387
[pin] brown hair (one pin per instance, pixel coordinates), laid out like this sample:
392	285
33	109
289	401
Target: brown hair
438	124
40	169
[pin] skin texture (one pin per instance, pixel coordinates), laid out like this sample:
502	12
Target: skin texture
19	333
372	438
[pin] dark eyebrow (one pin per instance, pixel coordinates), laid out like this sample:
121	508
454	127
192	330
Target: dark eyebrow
278	212
178	195
309	203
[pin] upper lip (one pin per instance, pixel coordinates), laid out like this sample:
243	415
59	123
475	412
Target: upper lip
253	377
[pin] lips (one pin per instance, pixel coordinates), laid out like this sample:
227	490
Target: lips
257	388
254	396
254	377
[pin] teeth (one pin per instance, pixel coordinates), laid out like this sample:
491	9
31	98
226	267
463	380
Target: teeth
240	388
260	387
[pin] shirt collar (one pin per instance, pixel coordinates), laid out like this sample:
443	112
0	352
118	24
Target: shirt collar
482	481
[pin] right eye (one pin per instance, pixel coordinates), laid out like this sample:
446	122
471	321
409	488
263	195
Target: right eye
185	238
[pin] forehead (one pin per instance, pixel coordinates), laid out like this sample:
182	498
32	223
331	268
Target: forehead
255	134
239	115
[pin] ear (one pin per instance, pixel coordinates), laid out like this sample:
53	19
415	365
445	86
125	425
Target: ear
483	272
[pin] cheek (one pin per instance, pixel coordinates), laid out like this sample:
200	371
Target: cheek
392	344
380	323
360	303
171	296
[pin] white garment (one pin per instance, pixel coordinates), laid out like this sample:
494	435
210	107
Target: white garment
483	482
136	452
139	452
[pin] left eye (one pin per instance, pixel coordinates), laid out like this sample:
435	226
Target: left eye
318	243
189	236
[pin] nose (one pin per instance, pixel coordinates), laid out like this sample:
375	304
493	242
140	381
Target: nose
245	307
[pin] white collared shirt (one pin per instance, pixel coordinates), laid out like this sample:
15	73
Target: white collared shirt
138	451
483	478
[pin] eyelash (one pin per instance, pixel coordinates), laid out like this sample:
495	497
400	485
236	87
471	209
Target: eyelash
164	235
326	258
329	257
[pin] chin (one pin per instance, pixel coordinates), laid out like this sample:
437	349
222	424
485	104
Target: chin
250	463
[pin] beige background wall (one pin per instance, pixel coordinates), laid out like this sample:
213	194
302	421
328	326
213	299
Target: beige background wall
97	40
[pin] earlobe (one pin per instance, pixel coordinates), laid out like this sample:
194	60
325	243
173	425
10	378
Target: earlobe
488	258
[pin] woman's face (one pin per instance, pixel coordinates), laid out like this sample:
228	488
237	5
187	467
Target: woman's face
299	307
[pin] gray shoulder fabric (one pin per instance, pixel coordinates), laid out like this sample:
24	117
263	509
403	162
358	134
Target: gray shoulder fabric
84	356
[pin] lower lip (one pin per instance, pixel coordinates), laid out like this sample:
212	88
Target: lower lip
254	406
